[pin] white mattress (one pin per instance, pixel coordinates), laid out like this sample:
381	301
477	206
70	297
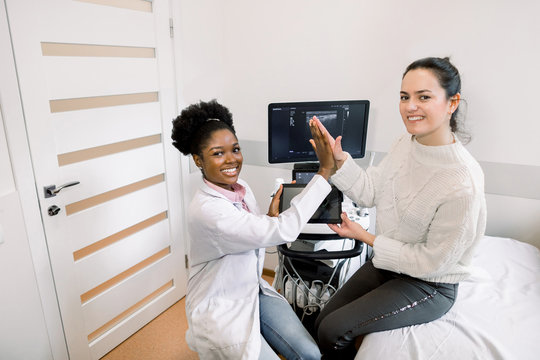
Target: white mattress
496	314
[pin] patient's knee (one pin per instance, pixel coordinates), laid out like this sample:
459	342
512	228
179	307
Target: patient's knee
330	339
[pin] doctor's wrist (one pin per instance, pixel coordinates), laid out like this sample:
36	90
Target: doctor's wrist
326	172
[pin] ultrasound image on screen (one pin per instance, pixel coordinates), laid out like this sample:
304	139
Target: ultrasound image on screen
329	119
299	118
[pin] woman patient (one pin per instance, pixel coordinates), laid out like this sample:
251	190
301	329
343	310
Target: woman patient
431	212
233	313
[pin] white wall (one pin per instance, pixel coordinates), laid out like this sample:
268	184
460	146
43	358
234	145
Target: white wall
30	326
248	53
23	333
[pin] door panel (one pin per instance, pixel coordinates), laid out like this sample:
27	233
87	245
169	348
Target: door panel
78	77
107	172
154	197
122	123
99	24
102	309
99	267
95	79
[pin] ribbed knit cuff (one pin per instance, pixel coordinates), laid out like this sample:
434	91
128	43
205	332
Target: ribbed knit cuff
346	176
386	253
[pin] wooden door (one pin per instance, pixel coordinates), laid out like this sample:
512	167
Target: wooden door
97	85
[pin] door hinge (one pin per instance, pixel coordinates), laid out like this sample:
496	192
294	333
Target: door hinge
186	261
171	27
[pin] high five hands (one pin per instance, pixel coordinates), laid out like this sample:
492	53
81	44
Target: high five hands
331	157
318	131
322	143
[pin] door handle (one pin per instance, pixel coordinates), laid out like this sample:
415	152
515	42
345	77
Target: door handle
52	190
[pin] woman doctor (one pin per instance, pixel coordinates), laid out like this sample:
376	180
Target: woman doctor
232	312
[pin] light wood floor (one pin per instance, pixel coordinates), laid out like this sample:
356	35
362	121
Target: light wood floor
161	339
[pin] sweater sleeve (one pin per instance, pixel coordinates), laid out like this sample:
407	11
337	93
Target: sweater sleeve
361	185
456	225
356	183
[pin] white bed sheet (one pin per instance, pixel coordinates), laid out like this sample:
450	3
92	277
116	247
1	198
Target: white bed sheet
496	314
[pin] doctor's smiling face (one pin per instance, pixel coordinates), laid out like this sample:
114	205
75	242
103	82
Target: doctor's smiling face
425	108
220	159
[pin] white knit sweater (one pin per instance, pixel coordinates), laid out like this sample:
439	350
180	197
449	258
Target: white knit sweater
431	208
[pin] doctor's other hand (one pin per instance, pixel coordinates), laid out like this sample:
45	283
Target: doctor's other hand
323	149
273	209
350	229
339	155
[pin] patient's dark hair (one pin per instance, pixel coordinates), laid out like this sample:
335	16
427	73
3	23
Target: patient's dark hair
450	81
196	123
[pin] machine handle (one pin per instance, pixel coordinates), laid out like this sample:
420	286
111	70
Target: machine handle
323	254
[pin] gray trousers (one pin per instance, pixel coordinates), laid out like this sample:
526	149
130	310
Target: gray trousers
375	300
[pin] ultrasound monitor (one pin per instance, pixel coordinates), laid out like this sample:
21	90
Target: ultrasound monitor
289	134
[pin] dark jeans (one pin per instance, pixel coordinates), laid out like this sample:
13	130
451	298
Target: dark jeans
375	300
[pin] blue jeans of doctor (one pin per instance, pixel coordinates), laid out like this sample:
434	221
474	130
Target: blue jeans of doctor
284	332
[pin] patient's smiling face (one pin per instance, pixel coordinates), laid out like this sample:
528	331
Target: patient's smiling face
220	159
425	108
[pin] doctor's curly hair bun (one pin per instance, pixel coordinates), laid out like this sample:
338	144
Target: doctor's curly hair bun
196	123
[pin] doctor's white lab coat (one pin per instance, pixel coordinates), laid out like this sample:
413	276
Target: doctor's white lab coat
226	257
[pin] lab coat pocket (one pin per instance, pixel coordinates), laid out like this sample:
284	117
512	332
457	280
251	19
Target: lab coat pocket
226	323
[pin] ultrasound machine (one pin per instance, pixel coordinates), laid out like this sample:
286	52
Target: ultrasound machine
311	269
